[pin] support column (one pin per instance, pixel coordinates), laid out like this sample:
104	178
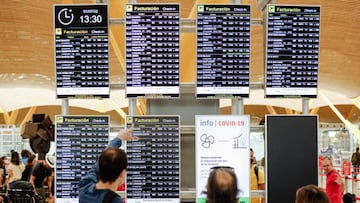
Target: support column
305	106
237	106
132	106
65	107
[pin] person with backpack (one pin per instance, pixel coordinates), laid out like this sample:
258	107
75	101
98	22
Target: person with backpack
257	179
101	181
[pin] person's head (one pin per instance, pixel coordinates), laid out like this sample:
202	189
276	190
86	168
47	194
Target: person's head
327	164
25	154
109	158
30	161
50	161
311	194
349	198
357	149
15	158
222	186
251	152
262	161
2	161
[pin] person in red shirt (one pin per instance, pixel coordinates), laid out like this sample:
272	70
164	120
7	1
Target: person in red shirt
334	183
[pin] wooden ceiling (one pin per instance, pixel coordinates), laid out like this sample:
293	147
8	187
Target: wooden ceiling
27	82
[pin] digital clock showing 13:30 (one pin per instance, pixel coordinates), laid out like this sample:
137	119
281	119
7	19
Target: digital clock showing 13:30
91	19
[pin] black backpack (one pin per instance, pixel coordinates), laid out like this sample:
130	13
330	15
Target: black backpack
110	196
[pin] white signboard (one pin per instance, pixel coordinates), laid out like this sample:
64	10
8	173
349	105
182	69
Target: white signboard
222	141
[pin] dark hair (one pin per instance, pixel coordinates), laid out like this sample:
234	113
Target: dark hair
30	160
311	194
222	186
25	153
349	198
2	161
15	158
112	162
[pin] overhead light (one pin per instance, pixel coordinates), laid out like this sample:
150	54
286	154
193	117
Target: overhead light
100	105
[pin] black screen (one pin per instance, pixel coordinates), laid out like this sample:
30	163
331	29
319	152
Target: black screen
153	161
81	51
223	51
152	50
291	155
79	142
292	51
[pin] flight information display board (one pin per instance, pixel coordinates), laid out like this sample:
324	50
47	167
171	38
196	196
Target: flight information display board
152	50
223	51
81	51
153	172
292	51
79	142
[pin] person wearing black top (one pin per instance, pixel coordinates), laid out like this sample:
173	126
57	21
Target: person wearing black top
29	165
41	170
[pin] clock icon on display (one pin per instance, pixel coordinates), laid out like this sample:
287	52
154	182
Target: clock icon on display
65	16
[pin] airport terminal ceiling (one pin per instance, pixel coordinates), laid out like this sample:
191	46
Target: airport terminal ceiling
27	73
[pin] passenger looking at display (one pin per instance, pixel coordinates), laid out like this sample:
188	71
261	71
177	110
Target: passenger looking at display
42	171
102	180
334	183
222	186
311	194
355	161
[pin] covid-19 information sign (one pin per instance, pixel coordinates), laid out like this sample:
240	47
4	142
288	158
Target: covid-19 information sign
222	141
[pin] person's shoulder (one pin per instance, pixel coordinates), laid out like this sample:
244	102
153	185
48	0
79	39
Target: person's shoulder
38	165
117	199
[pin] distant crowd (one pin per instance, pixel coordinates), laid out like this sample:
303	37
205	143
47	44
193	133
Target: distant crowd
25	171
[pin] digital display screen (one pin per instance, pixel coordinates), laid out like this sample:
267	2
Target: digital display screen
223	51
81	51
153	173
152	50
292	51
79	142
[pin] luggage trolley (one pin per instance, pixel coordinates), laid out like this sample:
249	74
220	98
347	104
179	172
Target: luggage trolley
21	192
21	196
3	194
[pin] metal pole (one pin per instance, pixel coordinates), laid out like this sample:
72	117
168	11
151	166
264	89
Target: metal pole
305	106
65	107
237	1
237	107
132	106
